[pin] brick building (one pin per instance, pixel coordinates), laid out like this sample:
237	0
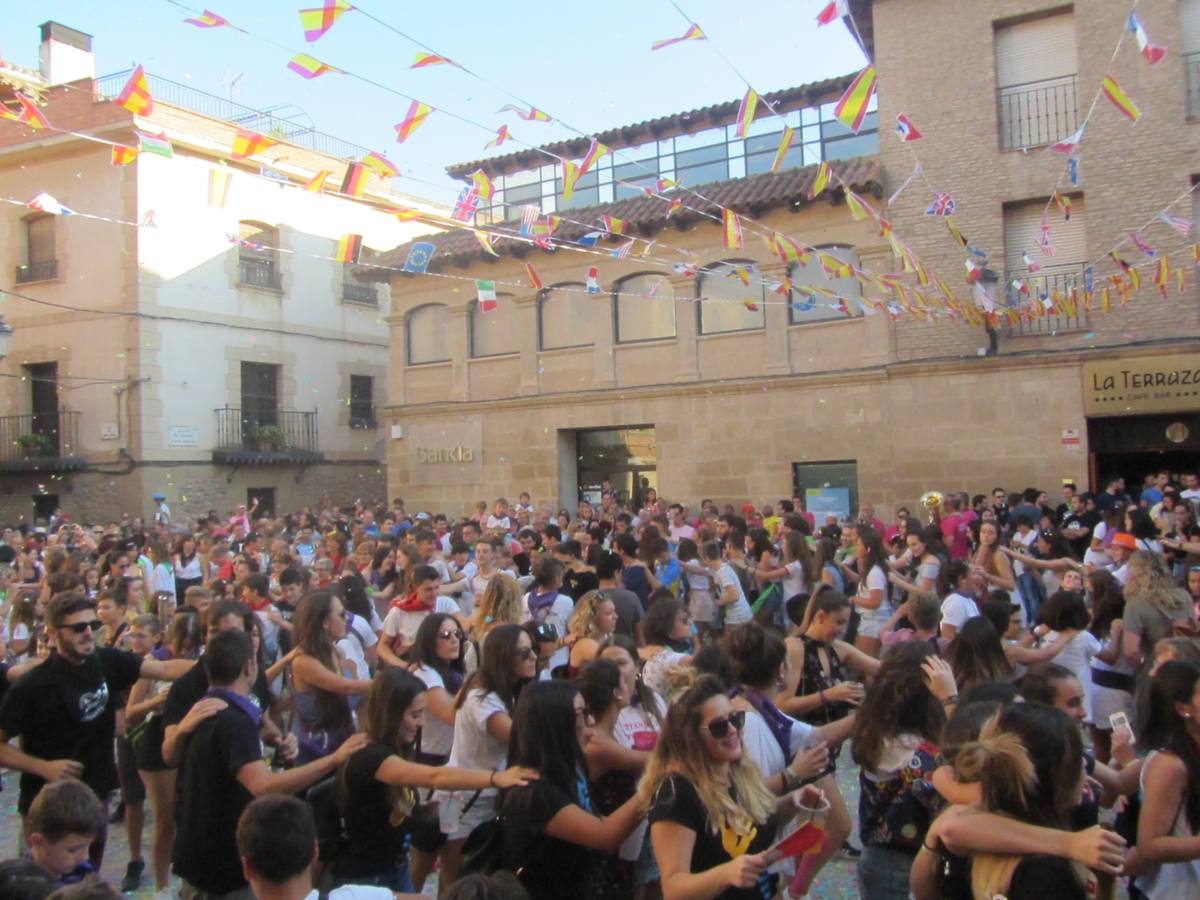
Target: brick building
682	388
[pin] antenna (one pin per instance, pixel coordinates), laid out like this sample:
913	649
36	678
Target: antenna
229	81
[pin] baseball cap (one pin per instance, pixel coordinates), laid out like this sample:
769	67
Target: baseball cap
1124	539
159	497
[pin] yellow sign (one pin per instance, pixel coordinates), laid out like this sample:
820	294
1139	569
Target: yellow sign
1147	385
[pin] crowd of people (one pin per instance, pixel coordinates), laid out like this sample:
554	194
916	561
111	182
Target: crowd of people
632	700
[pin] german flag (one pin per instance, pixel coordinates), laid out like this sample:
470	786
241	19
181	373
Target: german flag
355	181
349	248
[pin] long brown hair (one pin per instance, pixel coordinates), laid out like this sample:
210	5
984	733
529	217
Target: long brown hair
897	703
333	711
796	549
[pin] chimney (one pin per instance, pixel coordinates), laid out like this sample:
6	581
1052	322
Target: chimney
66	54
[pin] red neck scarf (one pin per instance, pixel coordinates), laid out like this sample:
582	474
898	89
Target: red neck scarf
411	603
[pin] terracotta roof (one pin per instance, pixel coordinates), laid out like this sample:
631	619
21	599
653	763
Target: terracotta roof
644	216
804	95
863	14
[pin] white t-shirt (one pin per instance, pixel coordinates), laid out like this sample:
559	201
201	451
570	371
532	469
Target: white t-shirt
876	580
1022	544
1097	557
793	581
359	638
442	569
1076	656
956	609
738	612
474	747
355	892
404	622
760	745
501	524
558	615
678	532
436	736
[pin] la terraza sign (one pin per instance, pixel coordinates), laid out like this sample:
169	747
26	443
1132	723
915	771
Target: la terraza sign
1150	384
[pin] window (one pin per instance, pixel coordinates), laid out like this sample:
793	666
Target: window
761	150
636	168
427	328
806	307
40	262
829	488
494	333
587	191
362	405
1189	20
260	398
645	308
1060	272
1036	67
695	165
355	289
840	142
258	256
565	317
731	298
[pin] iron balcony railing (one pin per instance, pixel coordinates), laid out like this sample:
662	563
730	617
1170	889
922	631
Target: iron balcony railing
266	430
44	440
1051	280
259	273
1191	68
45	270
363	416
359	293
1038	112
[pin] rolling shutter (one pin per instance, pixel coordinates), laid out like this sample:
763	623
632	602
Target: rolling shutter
1038	50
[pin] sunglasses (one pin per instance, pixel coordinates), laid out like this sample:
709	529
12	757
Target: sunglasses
450	635
81	627
546	632
526	653
719	728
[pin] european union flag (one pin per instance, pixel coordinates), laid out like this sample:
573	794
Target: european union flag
418	258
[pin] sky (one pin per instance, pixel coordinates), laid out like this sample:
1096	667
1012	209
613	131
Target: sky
589	65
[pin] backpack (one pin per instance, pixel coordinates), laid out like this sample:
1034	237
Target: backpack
327	815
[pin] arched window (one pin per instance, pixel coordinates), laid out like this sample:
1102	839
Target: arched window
808	307
645	308
493	332
258	256
427	329
565	317
731	297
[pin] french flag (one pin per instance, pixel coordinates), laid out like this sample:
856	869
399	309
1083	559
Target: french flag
1152	52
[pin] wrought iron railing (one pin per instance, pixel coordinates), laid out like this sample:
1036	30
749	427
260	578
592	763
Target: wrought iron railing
1049	282
1191	69
359	293
363	416
259	273
44	436
284	431
45	270
1037	113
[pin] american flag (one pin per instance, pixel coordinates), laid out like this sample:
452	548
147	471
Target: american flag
529	215
942	205
1183	226
622	251
1044	241
467	204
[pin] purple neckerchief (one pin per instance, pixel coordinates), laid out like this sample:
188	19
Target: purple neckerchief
84	870
161	653
539	604
245	704
779	724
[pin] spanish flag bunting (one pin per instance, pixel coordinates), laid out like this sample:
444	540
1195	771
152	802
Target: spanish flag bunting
1105	300
1088	298
423	60
316	184
1064	203
785	144
1120	99
487	189
954	232
750	305
856	205
1162	275
209	20
733	229
502	135
692	34
820	180
673	206
1196	254
783	287
788	249
612	224
135	96
533	115
746	112
595	152
851	110
834	267
218	187
485	241
417	113
380	165
535	280
349	248
249	143
404	213
570	176
1179	274
316	22
741	273
30	114
355	180
123	156
308	67
1135	279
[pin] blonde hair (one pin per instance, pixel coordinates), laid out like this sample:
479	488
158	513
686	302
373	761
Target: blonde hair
1150	581
583	619
500	605
680	751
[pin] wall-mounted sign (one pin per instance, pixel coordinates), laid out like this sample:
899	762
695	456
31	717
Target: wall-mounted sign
445	454
182	436
1148	384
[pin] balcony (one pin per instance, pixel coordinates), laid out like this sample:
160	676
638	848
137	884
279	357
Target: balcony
1047	281
363	294
43	270
1191	69
266	437
362	416
1037	113
259	273
40	442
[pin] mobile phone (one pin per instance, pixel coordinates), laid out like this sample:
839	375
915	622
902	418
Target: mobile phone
1120	722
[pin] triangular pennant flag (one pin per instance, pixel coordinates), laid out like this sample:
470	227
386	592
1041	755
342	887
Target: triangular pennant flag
209	20
123	156
135	96
692	34
785	144
732	227
820	180
485	241
836	9
1152	52
851	110
308	67
380	165
906	130
502	135
483	184
595	152
249	143
316	22
533	115
535	280
218	187
422	60
316	184
746	112
417	113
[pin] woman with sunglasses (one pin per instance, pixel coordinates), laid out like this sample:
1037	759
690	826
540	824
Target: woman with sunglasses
482	726
712	817
594	619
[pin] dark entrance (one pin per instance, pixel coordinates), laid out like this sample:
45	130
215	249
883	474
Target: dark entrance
1132	446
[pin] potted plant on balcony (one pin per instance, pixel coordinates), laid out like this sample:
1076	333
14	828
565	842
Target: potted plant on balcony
34	444
269	437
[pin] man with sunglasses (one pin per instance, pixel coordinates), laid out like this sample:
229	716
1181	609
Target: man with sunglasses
64	710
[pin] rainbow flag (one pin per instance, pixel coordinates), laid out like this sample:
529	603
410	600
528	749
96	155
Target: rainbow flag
249	143
316	184
534	114
535	280
349	248
218	187
380	164
692	34
502	135
746	112
1120	99
785	144
852	108
820	180
135	96
316	22
355	180
309	67
123	156
209	20
732	228
418	112
155	143
421	60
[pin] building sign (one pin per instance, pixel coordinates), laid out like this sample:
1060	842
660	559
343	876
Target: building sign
1147	385
459	454
827	501
450	453
182	436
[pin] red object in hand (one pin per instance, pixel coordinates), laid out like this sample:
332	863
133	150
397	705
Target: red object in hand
804	839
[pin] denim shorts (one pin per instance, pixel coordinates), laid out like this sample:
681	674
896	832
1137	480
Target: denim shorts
883	873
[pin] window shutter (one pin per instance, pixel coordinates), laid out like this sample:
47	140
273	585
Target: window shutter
1023	227
1189	25
1039	50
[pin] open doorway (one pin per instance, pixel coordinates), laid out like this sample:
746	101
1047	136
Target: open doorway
1135	446
625	458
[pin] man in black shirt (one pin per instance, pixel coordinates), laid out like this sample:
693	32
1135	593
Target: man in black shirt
1078	523
223	771
64	710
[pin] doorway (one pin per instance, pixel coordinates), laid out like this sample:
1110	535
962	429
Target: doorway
1134	446
44	506
626	458
43	403
266	501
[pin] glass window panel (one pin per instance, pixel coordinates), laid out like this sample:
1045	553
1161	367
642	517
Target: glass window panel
587	192
812	154
565	317
700	155
40	234
521	195
860	145
427	329
761	162
703	174
705	138
807	308
645	308
494	332
722	307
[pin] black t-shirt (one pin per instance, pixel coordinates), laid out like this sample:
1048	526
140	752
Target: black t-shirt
547	864
676	800
63	711
576	584
193	685
1086	521
372	843
210	799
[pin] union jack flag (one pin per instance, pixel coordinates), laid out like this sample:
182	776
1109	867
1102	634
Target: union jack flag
467	204
942	205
